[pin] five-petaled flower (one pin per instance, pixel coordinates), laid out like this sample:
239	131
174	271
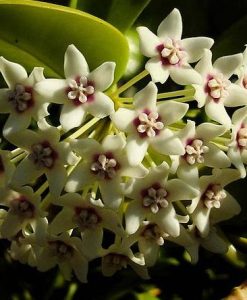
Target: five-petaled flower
169	55
81	91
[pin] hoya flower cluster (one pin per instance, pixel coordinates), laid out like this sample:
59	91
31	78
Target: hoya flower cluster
121	176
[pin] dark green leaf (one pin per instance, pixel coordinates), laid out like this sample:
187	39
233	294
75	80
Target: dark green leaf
35	33
123	14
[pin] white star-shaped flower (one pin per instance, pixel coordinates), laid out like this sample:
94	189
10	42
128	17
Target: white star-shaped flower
216	90
89	216
20	99
147	125
214	203
237	149
45	155
81	91
152	200
169	54
106	164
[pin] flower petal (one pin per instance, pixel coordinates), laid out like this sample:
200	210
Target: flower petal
80	177
172	111
195	46
167	143
204	66
208	131
185	75
5	106
103	76
148	41
35	76
214	243
171	26
236	159
74	63
227	65
113	143
179	190
146	98
101	106
52	90
16	123
72	116
216	158
62	222
26	172
10	226
150	250
123	119
217	112
237	96
157	71
228	209
12	73
92	240
56	177
200	218
200	95
167	220
133	216
111	192
136	149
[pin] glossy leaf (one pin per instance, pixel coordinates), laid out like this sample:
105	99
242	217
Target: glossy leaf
35	33
123	14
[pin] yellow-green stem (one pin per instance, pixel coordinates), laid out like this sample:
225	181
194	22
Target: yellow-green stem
175	94
83	129
130	83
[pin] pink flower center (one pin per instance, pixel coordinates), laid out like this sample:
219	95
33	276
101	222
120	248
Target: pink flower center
23	207
154	198
148	124
171	52
242	137
194	152
80	90
217	86
213	196
61	249
119	261
153	232
105	166
21	98
86	218
43	155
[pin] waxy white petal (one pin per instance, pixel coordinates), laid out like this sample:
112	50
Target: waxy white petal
195	46
52	90
146	98
227	65
185	75
102	77
74	63
136	149
72	116
217	112
101	106
148	42
237	96
171	26
157	71
123	119
172	111
13	73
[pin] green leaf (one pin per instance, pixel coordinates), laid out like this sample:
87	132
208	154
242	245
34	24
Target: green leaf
232	40
123	14
35	33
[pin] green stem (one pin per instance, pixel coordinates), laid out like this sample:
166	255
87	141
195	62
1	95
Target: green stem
81	130
175	94
18	158
16	152
130	83
42	188
73	3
